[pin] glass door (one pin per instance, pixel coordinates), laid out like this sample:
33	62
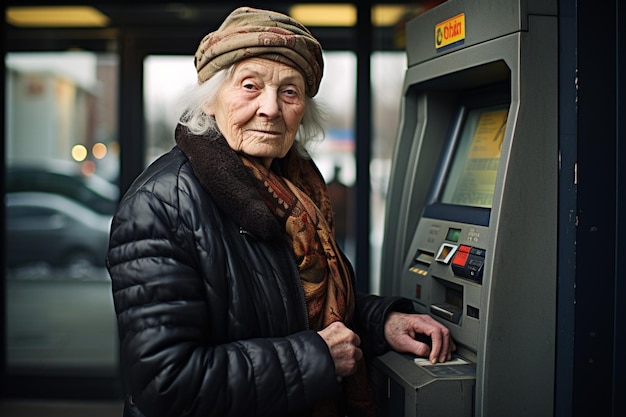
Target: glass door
61	173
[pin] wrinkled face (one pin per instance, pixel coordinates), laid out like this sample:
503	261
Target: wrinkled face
259	108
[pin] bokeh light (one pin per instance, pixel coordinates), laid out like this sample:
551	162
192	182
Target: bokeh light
99	150
79	152
88	168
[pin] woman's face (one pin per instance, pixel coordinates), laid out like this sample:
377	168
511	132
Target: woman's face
259	108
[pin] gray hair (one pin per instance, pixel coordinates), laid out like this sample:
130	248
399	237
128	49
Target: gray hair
193	117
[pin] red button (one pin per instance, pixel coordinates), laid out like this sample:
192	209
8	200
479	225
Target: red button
460	258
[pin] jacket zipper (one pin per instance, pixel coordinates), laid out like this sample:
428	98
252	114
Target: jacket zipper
295	275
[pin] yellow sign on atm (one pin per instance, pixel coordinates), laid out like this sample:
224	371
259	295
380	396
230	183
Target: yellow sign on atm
450	31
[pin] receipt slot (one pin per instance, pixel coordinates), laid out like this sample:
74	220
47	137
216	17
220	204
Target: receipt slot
470	234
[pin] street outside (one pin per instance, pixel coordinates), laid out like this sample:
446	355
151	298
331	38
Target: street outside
60	323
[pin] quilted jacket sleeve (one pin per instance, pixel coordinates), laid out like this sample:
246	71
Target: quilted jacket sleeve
370	313
171	365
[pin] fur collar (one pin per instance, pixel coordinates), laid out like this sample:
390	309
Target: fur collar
222	174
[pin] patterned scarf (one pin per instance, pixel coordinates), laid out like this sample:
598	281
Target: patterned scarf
325	277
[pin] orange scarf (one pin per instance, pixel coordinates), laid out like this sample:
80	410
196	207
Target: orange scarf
325	277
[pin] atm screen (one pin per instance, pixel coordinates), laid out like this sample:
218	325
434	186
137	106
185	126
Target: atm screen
471	177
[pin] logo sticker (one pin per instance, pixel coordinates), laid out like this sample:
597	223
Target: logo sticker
450	31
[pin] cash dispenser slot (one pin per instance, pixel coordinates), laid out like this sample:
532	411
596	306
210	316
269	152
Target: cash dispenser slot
447	311
450	308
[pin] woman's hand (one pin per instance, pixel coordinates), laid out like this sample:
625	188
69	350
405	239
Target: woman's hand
343	344
401	330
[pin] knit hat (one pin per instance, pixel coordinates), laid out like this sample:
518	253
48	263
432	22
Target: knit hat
249	32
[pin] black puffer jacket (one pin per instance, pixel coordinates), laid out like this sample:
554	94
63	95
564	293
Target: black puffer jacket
211	315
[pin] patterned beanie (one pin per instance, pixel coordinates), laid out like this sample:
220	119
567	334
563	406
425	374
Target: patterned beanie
249	32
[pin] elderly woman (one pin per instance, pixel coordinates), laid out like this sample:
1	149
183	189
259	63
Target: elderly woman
232	297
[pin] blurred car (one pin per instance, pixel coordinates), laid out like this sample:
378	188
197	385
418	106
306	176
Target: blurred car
55	230
63	178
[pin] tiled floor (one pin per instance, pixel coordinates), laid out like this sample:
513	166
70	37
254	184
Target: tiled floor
18	408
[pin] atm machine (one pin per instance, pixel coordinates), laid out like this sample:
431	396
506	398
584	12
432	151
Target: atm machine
471	227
